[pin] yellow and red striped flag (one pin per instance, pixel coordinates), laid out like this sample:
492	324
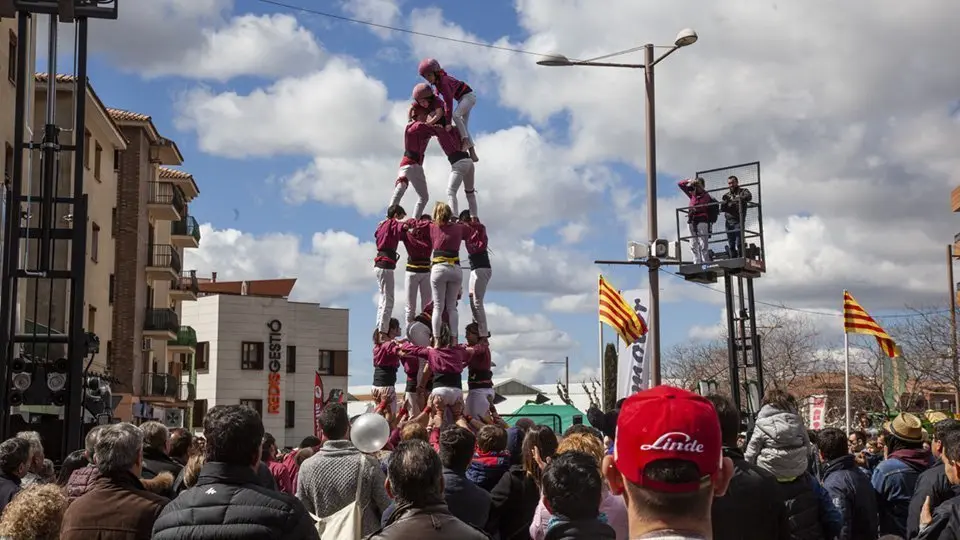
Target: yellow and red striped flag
616	312
856	320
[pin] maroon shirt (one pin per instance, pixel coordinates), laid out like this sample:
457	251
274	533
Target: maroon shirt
477	240
446	360
388	235
451	89
449	141
386	354
416	240
416	137
448	237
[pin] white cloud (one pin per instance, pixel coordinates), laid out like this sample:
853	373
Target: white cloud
383	12
573	232
868	159
199	39
292	117
335	265
263	45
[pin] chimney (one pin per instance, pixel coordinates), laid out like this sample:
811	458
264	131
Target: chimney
213	277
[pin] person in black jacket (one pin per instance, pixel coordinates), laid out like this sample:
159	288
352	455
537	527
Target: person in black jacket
229	498
467	501
849	488
156	443
753	491
944	523
933	482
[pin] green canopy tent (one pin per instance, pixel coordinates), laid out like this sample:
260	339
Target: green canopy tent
558	417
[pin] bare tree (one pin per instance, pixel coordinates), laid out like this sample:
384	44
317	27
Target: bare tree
790	343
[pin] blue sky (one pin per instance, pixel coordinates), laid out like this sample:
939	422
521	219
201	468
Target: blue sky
581	130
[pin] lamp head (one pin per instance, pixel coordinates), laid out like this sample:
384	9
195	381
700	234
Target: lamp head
685	37
554	60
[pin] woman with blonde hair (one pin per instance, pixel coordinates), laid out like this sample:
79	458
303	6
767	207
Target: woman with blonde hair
34	514
612	507
446	276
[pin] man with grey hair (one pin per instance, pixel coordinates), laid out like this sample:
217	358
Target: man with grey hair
34	474
156	446
81	480
117	503
14	462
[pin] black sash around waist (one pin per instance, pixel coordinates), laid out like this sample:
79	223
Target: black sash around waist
418	266
457	156
462	90
386	259
445	257
416	156
448	380
480	378
479	260
384	376
412	384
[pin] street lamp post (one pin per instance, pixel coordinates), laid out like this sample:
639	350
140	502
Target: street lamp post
684	38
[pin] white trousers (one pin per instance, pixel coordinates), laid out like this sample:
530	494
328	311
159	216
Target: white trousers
416	178
385	305
479	278
419	334
413	402
461	118
478	404
462	172
445	282
700	242
418	285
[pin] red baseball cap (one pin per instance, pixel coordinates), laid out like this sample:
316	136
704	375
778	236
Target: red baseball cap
667	423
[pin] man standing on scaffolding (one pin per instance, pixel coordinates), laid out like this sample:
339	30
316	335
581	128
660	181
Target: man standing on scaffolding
734	205
701	215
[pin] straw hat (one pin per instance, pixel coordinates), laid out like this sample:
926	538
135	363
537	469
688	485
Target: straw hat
906	427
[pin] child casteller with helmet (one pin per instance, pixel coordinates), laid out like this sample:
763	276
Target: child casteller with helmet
451	89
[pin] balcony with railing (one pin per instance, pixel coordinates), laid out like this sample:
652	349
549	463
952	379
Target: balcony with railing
186	340
163	262
160	386
185	287
161	323
166	202
185	233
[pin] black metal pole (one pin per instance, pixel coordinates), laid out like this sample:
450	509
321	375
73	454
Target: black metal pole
755	339
11	245
77	349
731	342
50	149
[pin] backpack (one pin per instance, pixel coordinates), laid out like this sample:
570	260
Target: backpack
713	211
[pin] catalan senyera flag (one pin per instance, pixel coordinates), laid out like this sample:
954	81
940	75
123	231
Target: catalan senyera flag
856	320
616	312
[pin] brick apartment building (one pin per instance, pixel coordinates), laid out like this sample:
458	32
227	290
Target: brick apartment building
153	227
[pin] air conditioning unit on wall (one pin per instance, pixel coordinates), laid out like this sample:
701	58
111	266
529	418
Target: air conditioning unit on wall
173	418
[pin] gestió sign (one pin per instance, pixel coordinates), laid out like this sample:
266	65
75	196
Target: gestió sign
274	354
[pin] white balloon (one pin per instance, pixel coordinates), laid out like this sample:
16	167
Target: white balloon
369	433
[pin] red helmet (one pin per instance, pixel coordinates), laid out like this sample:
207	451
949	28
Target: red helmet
428	65
422	91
